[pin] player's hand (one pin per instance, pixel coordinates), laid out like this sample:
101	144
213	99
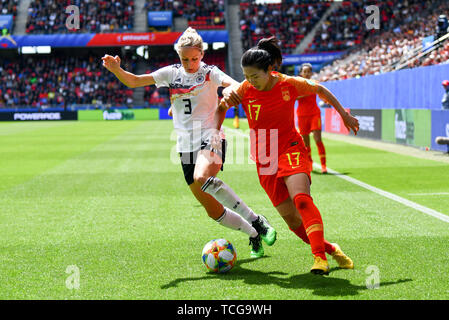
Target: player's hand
215	142
170	112
351	123
111	63
230	97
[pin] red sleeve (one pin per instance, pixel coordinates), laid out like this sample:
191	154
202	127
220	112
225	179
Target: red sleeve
304	87
244	86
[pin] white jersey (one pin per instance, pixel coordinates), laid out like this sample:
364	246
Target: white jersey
194	100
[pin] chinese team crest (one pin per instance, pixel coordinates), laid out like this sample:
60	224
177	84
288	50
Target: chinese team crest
286	94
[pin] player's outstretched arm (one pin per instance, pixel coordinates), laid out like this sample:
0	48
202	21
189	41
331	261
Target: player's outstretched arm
219	117
127	78
230	95
220	114
329	98
230	99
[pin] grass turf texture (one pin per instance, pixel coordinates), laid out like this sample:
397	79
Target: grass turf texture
105	197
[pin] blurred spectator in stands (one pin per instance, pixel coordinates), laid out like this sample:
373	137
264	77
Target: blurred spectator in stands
442	26
9	7
46	16
40	81
445	100
397	45
205	14
290	21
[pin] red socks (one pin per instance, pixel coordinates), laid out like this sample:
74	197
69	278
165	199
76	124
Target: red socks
309	156
312	223
321	153
301	233
309	153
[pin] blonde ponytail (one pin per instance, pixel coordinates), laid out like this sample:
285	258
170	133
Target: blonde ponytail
190	38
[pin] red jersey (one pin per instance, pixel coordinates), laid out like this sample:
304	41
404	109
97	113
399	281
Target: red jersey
271	115
307	106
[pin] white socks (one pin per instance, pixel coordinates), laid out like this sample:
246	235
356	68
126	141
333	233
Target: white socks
228	198
232	220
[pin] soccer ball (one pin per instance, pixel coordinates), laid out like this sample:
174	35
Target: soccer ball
219	255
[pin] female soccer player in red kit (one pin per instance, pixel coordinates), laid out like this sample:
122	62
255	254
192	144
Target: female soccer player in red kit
309	120
193	95
268	99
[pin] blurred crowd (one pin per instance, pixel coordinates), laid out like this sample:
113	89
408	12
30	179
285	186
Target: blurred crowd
63	81
403	27
200	14
290	21
60	81
96	16
8	7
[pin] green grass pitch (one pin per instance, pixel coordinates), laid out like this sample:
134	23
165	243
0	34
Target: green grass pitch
106	200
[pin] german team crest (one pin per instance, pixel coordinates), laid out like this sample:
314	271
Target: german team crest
199	78
286	94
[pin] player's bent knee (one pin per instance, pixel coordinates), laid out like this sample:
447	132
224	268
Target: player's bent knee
200	179
214	213
293	220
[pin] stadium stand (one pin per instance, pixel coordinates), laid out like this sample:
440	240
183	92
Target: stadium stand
201	15
289	21
64	81
45	16
8	7
403	29
60	80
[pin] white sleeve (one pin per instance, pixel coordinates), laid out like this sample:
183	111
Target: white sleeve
217	76
163	76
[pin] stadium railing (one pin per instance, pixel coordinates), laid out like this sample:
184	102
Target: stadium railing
418	53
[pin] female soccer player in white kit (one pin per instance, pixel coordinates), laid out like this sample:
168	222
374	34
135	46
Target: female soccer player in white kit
193	94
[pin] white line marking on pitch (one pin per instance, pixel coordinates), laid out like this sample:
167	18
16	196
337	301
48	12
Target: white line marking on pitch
430	194
389	195
381	192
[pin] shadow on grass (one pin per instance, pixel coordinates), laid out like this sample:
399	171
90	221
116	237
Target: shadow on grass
321	285
330	173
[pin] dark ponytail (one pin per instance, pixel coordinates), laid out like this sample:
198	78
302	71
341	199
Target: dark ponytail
266	53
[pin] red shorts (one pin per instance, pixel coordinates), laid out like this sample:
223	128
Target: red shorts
308	124
293	161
